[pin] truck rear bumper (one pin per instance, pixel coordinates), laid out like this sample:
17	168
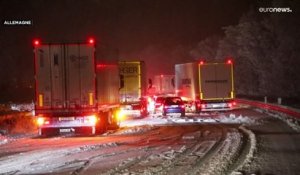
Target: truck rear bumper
67	124
217	106
66	130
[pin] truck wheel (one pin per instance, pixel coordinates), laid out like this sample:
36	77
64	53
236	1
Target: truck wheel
103	123
164	114
43	132
182	114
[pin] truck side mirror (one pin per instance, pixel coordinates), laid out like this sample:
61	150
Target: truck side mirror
122	83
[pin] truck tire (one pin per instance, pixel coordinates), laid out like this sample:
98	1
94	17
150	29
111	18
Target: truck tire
164	113
101	127
182	114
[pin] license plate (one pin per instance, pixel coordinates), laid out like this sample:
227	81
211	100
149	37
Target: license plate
66	118
65	130
216	105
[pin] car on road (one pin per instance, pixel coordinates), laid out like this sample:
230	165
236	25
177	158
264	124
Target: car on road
158	105
173	105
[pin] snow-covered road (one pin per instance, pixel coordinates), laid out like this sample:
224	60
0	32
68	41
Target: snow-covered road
232	142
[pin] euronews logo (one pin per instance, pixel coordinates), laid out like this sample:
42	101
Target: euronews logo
275	10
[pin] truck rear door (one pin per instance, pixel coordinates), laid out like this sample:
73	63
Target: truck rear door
80	76
215	81
65	76
130	80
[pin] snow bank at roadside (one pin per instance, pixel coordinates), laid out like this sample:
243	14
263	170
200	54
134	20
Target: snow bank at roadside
3	140
191	118
231	118
48	161
24	107
134	129
17	123
293	122
250	154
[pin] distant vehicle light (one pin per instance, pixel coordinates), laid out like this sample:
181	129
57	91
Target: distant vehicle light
234	103
201	62
36	42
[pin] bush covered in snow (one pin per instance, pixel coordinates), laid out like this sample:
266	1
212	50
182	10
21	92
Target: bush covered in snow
17	123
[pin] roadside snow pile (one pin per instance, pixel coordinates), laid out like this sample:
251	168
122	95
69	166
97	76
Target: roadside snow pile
250	154
31	162
86	148
3	140
190	118
231	119
134	130
151	120
99	146
25	107
293	122
17	123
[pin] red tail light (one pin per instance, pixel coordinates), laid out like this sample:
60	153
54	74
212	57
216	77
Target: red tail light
182	106
229	61
230	105
203	106
91	41
36	42
198	105
234	103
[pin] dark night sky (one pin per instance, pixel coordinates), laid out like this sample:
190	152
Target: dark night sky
160	32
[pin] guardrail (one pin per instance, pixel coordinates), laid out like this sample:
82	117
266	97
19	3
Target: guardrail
273	107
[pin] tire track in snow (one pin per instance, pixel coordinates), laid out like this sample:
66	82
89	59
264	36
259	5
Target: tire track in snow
219	158
146	150
178	157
